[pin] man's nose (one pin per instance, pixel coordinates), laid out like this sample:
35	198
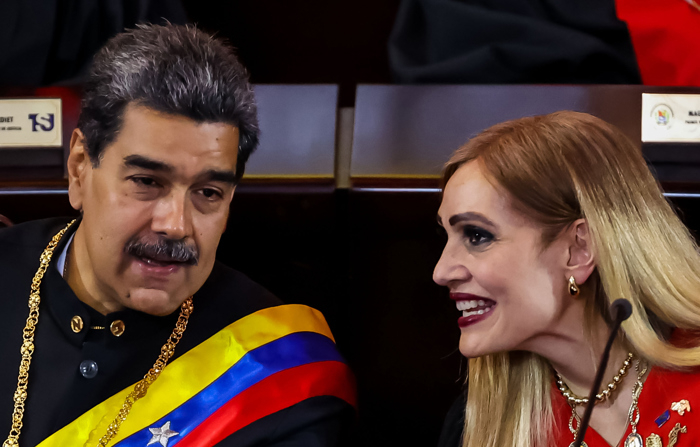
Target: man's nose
172	216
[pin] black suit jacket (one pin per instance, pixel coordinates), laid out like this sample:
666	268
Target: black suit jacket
58	393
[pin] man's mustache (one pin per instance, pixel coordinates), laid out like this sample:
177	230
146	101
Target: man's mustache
164	250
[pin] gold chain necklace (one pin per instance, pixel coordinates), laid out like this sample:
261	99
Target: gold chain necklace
141	388
575	400
27	350
575	428
633	439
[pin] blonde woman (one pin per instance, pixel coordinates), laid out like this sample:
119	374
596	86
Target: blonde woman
549	219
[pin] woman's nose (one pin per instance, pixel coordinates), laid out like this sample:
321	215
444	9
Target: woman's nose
450	268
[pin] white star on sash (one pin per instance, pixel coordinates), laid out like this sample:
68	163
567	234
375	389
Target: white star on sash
162	434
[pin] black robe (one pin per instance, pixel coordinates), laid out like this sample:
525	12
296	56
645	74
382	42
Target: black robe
58	393
511	42
453	427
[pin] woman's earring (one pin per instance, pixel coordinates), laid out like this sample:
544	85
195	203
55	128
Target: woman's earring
573	287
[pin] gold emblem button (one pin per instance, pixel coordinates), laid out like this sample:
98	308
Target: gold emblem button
117	328
76	324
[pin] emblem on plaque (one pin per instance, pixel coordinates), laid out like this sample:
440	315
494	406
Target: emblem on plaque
662	115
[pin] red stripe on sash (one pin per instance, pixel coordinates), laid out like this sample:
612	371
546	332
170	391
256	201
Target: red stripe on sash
275	393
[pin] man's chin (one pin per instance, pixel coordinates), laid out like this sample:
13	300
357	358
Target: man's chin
153	302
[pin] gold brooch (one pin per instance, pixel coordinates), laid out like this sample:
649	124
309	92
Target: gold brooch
681	407
654	440
673	436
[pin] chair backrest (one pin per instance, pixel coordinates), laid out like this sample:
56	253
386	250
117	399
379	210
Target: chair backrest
411	130
298	126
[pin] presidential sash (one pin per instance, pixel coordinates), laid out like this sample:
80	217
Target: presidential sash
256	366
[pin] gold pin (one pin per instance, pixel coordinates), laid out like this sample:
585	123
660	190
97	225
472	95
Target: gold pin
654	441
117	327
76	324
681	407
673	435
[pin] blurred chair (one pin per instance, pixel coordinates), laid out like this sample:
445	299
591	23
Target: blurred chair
4	221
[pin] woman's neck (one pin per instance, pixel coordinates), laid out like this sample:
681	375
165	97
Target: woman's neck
574	349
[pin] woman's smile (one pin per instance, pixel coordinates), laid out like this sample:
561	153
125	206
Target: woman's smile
474	308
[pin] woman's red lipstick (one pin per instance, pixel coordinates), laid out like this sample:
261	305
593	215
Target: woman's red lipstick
474	308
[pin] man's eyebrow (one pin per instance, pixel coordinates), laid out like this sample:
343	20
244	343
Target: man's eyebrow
470	216
215	175
139	161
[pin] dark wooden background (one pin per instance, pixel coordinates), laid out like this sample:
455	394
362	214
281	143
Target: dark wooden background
312	41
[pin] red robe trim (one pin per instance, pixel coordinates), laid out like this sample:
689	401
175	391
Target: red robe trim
666	39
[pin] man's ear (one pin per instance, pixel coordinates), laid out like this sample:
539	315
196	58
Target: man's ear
78	167
582	260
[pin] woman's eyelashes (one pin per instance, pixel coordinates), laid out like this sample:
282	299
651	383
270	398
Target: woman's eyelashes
476	236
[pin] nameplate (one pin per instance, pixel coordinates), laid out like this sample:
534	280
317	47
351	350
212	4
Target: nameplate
670	118
30	122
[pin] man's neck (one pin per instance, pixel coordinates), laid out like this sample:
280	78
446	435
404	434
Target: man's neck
76	257
61	265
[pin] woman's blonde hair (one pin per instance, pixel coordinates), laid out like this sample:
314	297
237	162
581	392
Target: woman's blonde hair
558	168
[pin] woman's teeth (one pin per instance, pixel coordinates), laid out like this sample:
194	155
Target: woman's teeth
474	307
467	313
466	304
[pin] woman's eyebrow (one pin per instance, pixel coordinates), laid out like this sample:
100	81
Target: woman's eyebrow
471	216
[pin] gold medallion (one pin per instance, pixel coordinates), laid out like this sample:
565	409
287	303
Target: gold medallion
634	440
654	440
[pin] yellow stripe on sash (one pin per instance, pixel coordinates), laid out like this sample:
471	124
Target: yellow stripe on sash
190	373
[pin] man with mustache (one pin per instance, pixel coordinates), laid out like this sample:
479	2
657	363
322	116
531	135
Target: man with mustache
125	329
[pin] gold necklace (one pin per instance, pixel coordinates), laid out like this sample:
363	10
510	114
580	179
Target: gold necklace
27	350
575	400
634	439
141	387
575	428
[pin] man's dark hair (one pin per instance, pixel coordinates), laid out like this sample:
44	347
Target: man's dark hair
177	70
